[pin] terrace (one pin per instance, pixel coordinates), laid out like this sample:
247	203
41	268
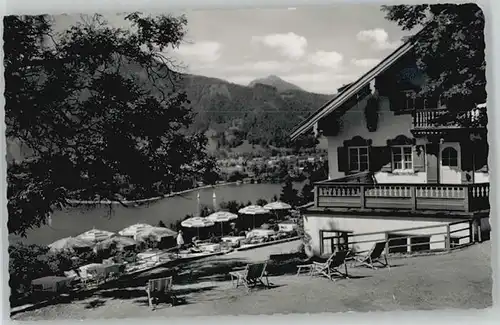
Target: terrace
426	121
455	198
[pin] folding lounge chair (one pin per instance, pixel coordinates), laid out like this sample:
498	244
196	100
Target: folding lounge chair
374	255
251	276
160	289
310	267
332	266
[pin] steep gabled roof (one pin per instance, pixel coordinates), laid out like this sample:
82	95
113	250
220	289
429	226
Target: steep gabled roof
354	87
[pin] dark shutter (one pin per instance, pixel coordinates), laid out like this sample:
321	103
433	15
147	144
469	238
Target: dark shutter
432	155
380	159
481	156
419	158
342	159
467	152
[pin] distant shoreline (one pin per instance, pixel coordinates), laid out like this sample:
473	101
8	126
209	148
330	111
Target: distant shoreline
152	199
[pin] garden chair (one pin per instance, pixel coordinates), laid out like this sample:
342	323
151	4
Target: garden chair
310	266
160	288
374	255
332	266
252	276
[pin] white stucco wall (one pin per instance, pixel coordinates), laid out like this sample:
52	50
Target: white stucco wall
481	177
313	225
389	126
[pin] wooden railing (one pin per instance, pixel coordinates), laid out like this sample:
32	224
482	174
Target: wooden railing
414	197
449	236
425	119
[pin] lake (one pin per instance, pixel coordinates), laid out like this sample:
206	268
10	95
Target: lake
74	221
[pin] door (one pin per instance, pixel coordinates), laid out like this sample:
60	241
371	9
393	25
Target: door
449	163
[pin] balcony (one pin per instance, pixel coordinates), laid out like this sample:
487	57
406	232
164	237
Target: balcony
439	121
463	198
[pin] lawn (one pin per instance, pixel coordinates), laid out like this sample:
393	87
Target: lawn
461	279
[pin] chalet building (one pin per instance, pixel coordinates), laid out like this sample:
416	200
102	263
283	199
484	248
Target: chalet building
399	171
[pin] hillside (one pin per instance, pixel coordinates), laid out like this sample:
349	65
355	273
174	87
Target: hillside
260	114
276	82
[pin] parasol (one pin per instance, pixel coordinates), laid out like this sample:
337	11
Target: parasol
69	243
95	235
253	210
133	230
120	243
278	205
155	232
222	216
197	222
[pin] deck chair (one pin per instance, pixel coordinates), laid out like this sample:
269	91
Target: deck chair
332	266
374	255
160	288
310	266
252	276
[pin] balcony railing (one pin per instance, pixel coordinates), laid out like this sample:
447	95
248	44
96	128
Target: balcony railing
436	119
412	197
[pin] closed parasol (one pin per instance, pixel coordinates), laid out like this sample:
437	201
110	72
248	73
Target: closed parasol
222	216
70	243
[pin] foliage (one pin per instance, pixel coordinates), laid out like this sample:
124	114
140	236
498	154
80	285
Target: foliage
237	176
231	206
261	115
261	202
450	49
161	224
96	129
28	262
307	194
288	193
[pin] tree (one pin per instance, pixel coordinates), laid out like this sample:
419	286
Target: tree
288	193
99	108
161	224
450	49
261	202
307	194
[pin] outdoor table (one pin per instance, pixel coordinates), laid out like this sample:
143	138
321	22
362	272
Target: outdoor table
287	226
50	283
233	240
261	233
209	247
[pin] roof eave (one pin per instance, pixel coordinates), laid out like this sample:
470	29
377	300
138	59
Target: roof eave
343	96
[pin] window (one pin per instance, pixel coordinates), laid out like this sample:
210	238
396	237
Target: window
402	158
358	159
449	157
333	240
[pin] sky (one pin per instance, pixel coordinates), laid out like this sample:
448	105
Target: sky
318	49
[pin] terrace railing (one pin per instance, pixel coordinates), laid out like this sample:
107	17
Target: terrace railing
436	119
443	237
413	197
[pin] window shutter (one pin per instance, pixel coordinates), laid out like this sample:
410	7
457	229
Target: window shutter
432	154
467	151
380	159
342	159
419	158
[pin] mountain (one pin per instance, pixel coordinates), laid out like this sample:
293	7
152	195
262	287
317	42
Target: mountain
260	114
275	81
